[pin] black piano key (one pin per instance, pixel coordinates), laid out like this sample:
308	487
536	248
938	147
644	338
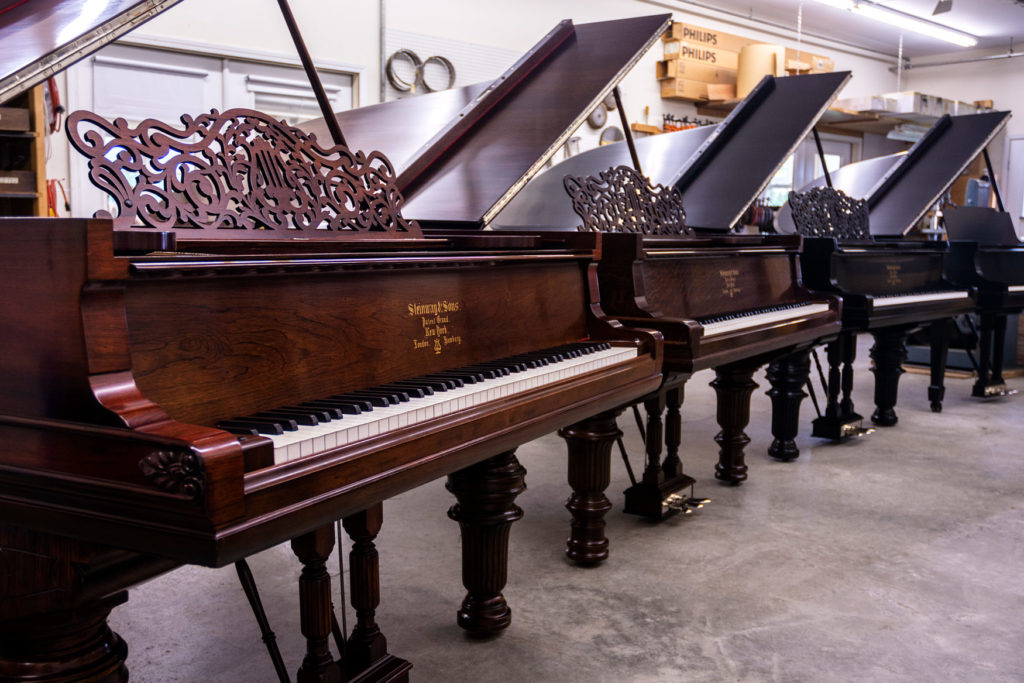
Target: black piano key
343	407
261	426
371	401
304	417
240	431
448	378
393	395
341	399
413	390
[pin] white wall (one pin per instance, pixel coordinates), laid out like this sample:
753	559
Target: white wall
999	80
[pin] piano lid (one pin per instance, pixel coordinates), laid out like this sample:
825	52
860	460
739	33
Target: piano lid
42	37
917	180
456	172
900	188
854	179
719	169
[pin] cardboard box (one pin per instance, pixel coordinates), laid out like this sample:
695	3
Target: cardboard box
14	118
677	68
721	91
688	33
701	54
684	89
808	62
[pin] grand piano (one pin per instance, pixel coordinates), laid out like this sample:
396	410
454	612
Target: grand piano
728	302
890	284
985	255
195	381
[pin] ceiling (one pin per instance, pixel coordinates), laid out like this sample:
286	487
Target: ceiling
995	23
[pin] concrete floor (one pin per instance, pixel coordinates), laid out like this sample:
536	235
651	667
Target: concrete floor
893	557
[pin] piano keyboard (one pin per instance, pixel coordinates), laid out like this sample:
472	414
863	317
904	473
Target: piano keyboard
317	426
758	317
882	301
1015	288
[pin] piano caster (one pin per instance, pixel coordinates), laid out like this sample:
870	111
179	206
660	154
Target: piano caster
652	500
885	417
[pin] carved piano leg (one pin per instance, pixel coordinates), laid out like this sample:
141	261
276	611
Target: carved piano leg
939	349
52	627
313	549
590	448
672	467
366	655
787	375
888	353
984	355
68	645
485	511
733	384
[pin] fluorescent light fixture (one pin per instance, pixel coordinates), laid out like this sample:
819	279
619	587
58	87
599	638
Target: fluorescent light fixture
903	21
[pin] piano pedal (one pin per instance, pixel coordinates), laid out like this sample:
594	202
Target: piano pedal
658	501
837	429
997	390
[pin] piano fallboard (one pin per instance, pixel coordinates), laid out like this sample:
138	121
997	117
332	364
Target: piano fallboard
884	283
685	288
121	367
995	272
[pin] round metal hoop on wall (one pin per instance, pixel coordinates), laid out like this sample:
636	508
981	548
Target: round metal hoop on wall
419	71
396	81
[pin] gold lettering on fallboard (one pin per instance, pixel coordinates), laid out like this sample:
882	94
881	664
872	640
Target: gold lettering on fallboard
729	279
893	271
437	324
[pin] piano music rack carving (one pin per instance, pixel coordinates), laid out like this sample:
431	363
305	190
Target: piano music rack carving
238	170
827	212
179	472
622	200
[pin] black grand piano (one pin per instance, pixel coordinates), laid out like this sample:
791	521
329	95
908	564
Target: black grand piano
194	381
729	302
855	245
986	255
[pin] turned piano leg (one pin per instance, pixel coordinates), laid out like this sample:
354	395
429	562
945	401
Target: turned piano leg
734	385
888	353
984	355
63	646
53	616
485	511
366	650
787	375
313	549
672	467
590	448
939	349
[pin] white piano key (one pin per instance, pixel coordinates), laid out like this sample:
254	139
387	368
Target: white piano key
311	439
903	299
766	318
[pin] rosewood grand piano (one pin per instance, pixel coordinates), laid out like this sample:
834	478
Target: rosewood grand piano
293	351
726	302
889	285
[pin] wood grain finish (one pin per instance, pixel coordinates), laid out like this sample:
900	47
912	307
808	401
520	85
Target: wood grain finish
485	511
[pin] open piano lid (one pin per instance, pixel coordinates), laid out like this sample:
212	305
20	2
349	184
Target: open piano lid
900	188
462	154
918	178
42	37
719	169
